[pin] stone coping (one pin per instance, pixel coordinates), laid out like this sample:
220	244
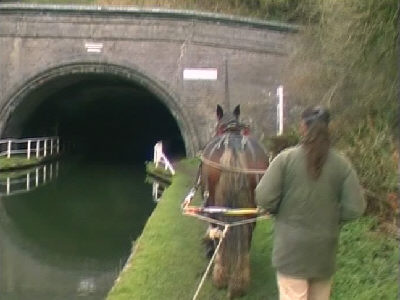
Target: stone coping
148	12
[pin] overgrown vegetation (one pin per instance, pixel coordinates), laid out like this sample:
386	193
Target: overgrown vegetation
346	60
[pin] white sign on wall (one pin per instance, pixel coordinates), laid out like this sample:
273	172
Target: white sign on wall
94	47
200	74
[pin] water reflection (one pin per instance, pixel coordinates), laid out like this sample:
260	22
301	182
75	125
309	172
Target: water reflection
158	187
23	181
87	286
69	239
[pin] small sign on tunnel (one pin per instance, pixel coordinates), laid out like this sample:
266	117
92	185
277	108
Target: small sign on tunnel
94	47
200	74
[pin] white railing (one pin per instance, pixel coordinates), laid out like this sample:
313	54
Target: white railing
38	147
157	190
29	180
158	187
161	160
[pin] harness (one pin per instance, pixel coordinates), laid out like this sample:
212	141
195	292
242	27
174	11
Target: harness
230	169
233	125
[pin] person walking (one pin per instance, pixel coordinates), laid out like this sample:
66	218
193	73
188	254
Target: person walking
311	190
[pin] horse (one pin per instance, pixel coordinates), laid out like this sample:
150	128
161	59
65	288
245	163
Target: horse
232	165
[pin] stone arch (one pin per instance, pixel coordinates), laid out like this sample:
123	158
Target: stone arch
165	95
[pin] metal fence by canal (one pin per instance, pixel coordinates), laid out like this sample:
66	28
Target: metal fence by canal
31	147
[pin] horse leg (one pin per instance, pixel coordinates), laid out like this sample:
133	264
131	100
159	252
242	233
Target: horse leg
209	242
221	268
240	277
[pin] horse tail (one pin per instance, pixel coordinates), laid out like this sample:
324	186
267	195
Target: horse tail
232	266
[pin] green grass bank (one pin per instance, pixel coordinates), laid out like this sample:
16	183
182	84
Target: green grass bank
159	173
16	162
168	259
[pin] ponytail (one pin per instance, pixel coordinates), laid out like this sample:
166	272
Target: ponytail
316	141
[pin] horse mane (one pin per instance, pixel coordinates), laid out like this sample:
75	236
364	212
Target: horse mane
233	187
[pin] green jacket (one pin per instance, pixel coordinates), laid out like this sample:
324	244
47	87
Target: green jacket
308	212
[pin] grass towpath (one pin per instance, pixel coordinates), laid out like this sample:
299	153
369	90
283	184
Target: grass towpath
168	259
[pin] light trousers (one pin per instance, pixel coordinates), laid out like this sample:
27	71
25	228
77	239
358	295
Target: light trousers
303	289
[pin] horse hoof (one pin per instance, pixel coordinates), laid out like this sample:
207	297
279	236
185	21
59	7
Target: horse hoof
209	251
220	287
220	281
232	294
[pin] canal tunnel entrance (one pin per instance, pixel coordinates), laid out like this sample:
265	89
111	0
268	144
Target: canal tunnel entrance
99	116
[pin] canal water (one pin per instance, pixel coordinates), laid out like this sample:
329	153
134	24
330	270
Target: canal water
71	234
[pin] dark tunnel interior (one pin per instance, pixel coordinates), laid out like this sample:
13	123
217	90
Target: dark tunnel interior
101	117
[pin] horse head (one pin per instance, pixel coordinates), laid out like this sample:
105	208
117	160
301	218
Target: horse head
229	122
